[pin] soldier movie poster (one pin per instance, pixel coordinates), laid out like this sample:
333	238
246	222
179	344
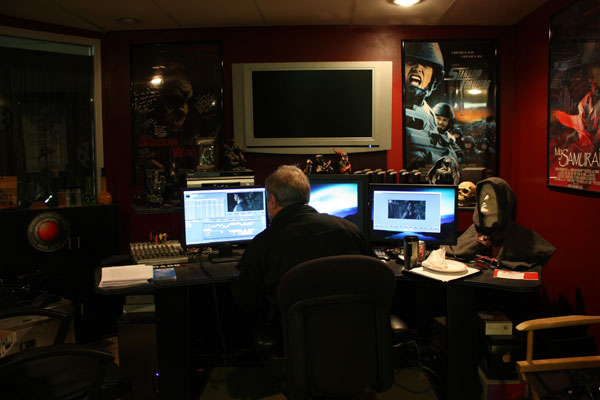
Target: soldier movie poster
450	108
574	98
176	100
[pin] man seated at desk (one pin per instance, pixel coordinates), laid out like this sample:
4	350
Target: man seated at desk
297	233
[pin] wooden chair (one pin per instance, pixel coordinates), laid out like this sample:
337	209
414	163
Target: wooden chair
557	377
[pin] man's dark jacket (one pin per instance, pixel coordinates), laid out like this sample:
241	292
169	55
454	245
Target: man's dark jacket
297	233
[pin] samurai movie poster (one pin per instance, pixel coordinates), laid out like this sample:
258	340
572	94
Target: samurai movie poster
450	109
176	103
574	103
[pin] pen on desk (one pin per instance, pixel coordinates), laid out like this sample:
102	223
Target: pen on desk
487	262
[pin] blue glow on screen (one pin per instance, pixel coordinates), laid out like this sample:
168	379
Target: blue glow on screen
339	199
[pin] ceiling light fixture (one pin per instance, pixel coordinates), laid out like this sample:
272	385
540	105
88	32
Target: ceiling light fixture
406	3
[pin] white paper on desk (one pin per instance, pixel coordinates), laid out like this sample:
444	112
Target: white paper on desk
444	277
126	275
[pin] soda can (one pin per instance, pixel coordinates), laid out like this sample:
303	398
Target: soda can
421	251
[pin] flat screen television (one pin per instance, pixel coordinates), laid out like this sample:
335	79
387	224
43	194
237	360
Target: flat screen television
341	195
427	211
223	217
307	107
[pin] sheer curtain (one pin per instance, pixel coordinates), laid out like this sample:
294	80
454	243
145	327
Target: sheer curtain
46	119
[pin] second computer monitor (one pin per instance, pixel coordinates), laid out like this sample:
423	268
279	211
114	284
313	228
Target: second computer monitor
341	195
426	211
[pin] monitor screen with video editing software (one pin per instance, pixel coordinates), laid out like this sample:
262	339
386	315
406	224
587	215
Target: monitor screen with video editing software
341	195
426	211
223	217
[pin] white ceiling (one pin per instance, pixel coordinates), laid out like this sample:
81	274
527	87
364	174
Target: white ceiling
102	15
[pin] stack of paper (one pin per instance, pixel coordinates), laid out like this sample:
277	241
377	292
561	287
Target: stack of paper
126	275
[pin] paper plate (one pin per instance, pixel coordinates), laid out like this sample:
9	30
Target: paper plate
453	267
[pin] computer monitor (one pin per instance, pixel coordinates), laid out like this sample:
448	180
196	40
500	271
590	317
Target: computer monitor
223	217
341	195
426	211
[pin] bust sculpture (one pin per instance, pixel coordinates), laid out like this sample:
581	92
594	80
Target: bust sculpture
495	234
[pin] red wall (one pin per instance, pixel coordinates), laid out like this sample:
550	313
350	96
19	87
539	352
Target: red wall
567	221
570	222
264	45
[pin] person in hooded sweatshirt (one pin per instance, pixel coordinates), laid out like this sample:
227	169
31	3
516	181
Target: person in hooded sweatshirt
495	234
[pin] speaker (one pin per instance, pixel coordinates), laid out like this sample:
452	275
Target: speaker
473	174
56	250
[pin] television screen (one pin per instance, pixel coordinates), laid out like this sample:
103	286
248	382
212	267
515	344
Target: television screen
426	211
341	195
303	107
223	216
318	96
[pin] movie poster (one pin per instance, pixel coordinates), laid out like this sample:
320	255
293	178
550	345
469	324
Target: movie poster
176	98
574	98
450	109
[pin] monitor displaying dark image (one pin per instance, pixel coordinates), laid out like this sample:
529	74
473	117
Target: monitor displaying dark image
426	211
305	107
341	195
223	216
304	104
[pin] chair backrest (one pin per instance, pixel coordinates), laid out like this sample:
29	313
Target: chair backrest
59	371
554	377
336	325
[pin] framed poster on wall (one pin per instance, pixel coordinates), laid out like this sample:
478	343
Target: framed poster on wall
176	102
450	101
574	99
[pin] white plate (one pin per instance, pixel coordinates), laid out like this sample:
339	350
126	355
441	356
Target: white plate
453	267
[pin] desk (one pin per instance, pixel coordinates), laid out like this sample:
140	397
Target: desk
461	326
173	320
172	301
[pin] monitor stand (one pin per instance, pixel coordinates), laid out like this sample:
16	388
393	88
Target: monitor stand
225	254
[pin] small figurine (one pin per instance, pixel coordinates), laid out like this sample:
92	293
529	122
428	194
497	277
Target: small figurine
323	167
466	194
344	166
444	171
308	168
234	157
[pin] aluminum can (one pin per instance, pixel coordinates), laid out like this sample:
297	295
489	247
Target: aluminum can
421	251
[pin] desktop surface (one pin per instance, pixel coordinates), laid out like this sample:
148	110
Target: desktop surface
175	328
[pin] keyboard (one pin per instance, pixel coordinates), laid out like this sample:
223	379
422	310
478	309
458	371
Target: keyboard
381	254
168	253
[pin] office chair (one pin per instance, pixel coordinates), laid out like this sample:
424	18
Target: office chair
574	377
59	371
336	326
